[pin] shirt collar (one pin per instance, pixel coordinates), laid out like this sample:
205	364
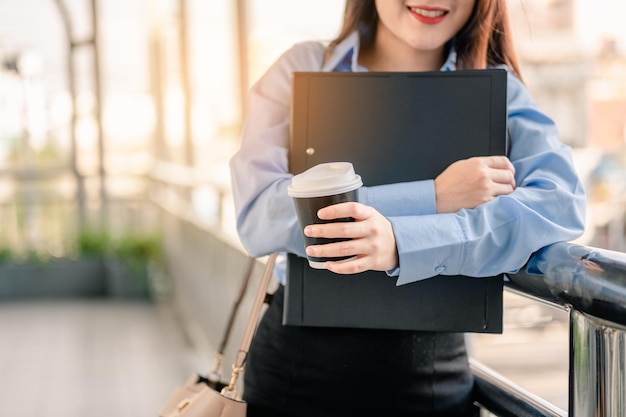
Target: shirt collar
344	57
450	64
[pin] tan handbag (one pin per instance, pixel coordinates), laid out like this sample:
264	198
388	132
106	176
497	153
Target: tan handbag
196	398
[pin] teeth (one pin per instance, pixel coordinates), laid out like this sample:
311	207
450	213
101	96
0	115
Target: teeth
428	13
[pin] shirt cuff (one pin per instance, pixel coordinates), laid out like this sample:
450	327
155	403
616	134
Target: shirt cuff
428	246
401	199
393	273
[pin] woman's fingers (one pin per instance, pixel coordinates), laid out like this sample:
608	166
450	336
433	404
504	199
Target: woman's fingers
498	162
342	210
353	265
337	249
474	181
342	229
371	239
501	170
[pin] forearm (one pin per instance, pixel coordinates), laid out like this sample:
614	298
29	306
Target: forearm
266	216
494	238
401	199
269	223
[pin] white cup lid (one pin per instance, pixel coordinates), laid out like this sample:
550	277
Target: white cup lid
325	179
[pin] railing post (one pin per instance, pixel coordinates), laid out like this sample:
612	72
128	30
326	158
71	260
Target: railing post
597	367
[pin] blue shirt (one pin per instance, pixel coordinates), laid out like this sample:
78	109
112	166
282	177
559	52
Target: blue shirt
547	206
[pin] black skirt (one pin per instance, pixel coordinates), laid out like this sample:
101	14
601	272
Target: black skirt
320	372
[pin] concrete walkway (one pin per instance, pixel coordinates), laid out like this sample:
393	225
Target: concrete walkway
94	358
102	358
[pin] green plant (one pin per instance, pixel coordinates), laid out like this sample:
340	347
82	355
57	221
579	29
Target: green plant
138	248
92	242
135	264
9	255
131	247
6	255
35	257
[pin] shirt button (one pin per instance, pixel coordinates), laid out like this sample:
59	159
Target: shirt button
440	269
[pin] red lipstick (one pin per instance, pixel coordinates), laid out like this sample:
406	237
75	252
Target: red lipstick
428	15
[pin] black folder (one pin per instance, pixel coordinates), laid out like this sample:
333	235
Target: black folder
394	127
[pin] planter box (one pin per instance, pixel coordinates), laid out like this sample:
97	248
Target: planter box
74	278
58	278
126	281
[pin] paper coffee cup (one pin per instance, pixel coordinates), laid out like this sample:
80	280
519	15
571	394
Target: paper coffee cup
318	187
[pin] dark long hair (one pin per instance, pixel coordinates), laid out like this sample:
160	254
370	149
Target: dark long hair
485	40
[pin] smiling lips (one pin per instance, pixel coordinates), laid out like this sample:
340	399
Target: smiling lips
428	15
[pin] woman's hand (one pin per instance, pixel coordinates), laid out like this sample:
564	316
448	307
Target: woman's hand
470	182
373	243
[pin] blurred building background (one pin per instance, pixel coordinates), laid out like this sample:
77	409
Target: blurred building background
119	117
162	87
167	96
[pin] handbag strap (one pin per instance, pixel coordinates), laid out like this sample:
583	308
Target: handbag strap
219	357
230	391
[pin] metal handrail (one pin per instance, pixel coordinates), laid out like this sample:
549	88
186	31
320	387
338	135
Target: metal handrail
505	399
591	280
591	284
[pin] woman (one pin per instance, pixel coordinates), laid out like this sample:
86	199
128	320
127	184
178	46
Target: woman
503	208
